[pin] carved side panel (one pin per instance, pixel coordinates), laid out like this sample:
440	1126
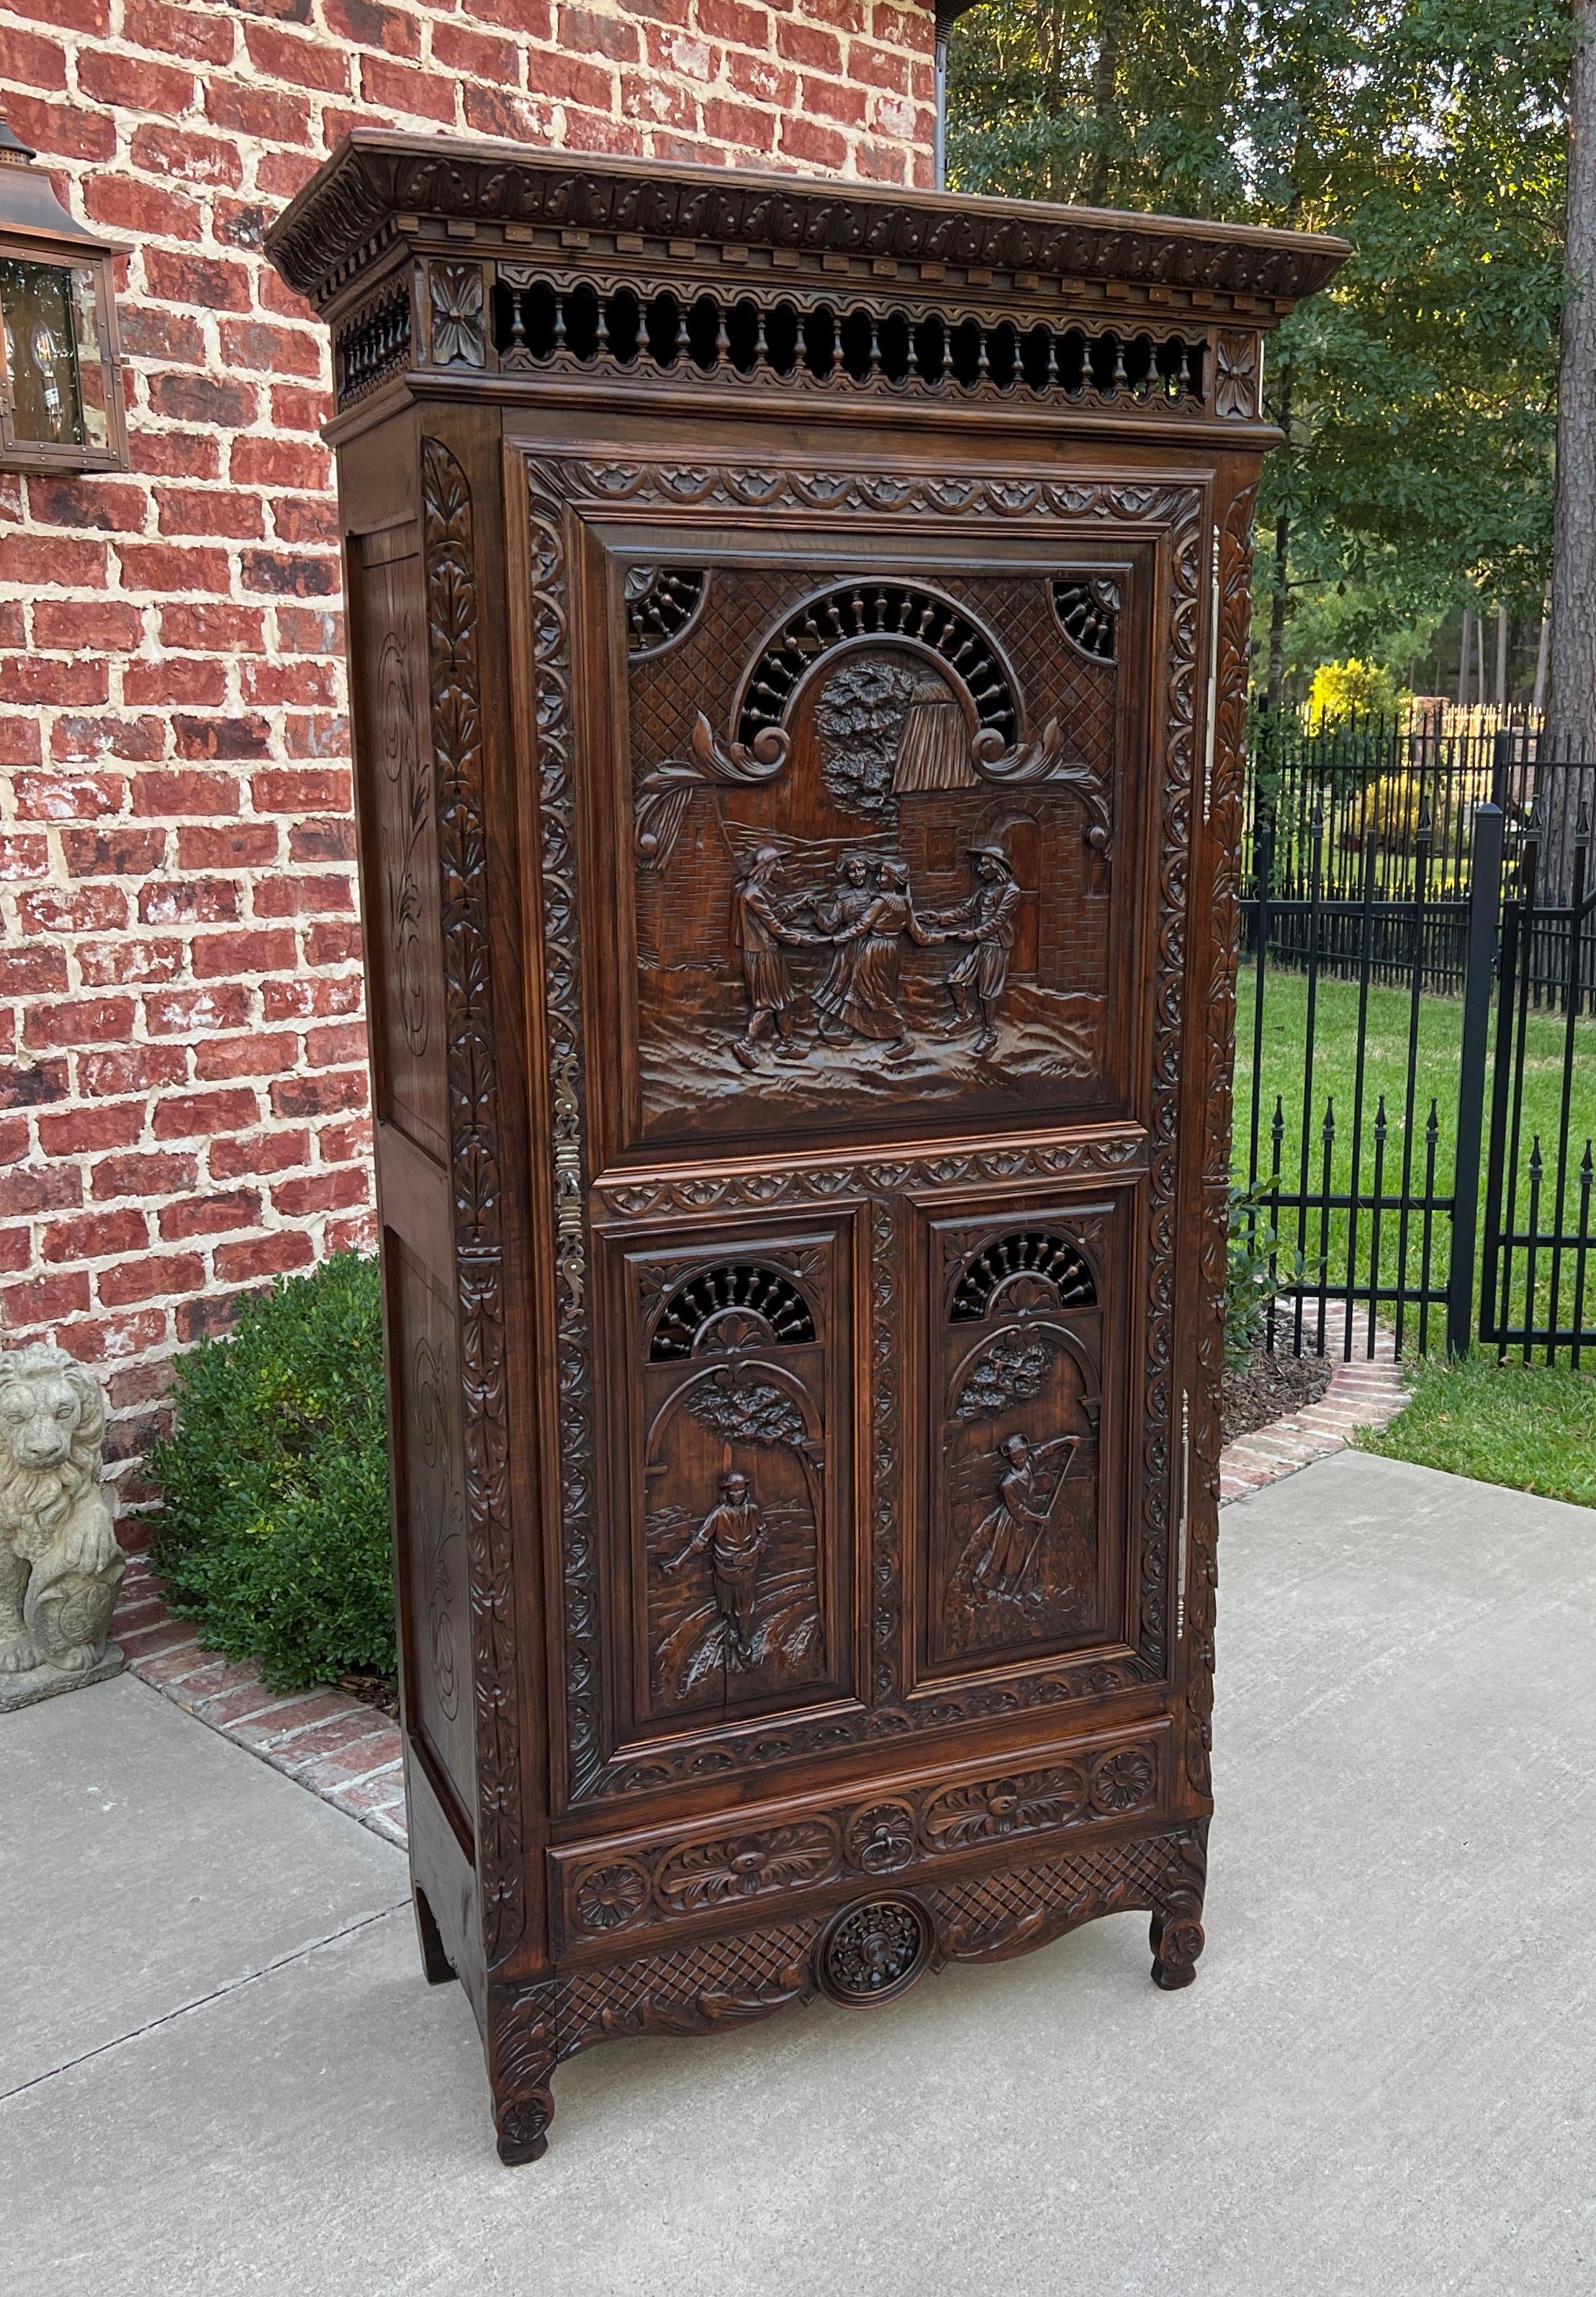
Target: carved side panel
477	1181
430	1461
399	805
1025	1553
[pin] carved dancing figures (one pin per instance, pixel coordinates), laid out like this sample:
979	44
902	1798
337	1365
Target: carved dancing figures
987	921
762	932
860	995
835	914
871	1008
734	1533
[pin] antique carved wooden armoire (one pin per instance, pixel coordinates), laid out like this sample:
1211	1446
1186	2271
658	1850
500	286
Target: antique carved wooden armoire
798	636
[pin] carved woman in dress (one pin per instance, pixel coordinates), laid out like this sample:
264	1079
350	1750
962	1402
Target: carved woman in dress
871	1006
834	914
1007	1540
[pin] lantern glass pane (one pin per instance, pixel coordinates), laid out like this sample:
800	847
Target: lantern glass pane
58	381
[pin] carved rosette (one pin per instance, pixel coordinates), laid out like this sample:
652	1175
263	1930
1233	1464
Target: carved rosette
1236	377
457	306
874	1951
477	1185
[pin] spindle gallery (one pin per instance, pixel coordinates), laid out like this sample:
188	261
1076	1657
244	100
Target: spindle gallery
800	638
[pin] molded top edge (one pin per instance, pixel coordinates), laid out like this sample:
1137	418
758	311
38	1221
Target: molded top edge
372	177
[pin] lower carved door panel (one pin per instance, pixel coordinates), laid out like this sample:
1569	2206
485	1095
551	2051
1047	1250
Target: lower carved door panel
1025	1550
732	1372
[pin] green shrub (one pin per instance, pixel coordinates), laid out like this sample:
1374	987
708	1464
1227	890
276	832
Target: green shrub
1259	1267
275	1533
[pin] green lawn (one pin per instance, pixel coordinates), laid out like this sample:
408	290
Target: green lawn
1532	1428
1335	1080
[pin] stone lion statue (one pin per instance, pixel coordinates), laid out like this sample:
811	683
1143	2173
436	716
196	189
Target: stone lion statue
60	1564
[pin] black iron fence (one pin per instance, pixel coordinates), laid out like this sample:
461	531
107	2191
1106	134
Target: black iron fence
1382	811
1416	1042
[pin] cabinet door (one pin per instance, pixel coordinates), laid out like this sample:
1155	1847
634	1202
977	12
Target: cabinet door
862	810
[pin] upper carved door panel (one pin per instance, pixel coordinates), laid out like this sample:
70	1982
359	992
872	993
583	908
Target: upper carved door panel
879	827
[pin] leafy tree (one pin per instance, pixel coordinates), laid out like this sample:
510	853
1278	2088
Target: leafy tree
1417	395
1345	690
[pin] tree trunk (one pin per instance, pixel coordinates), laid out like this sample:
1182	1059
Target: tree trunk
1502	659
1571	654
1539	703
1464	646
1105	95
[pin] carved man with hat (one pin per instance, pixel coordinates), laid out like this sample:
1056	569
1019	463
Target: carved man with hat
988	922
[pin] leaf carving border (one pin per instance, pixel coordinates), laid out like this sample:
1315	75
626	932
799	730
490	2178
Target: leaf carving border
643	1886
470	1071
556	485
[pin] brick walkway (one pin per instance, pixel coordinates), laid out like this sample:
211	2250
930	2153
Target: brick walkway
1366	1393
350	1754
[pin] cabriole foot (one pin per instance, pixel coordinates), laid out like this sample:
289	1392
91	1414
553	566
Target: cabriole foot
523	2128
1176	1943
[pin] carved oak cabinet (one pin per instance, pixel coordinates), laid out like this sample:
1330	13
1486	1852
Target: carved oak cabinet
798	637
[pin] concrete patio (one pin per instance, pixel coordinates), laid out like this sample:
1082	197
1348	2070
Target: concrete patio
221	2072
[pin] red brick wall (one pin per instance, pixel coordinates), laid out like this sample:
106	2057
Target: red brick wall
182	1087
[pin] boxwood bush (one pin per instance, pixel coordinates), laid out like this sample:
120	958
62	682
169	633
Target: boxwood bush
274	1535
